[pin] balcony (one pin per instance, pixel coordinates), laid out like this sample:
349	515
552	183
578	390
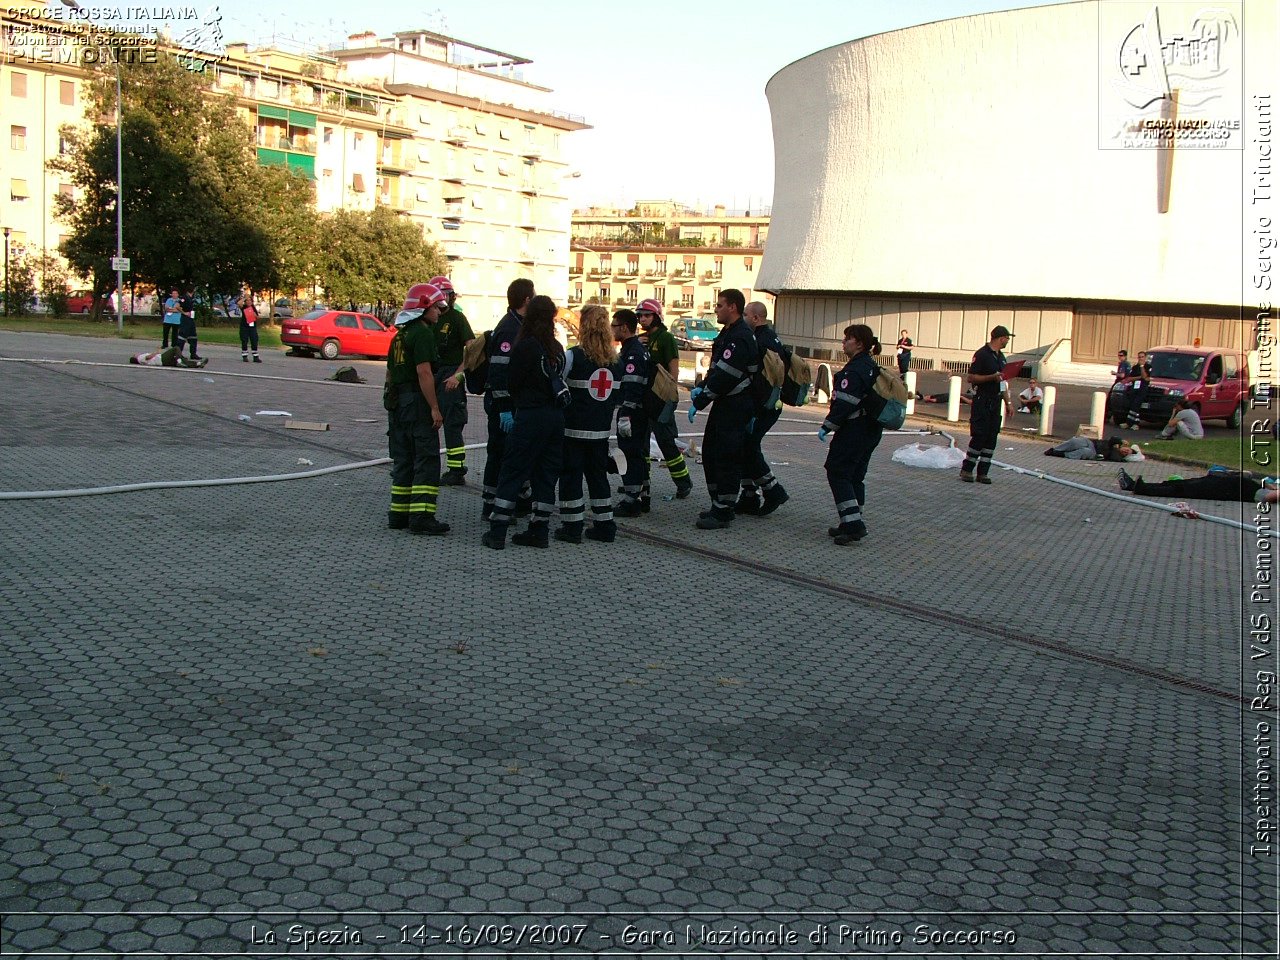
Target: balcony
575	270
457	136
629	271
687	273
531	152
453	211
575	298
655	276
600	273
529	189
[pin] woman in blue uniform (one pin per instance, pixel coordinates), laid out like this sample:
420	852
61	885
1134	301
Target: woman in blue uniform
857	432
534	428
588	424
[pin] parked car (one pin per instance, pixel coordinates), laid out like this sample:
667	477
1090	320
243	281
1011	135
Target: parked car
331	333
283	307
695	333
1214	380
80	301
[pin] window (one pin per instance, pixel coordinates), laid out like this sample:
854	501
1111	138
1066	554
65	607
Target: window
370	324
660	264
481	128
345	321
604	293
1231	372
64	145
328	134
18	190
357	140
504	168
326	174
17	138
633	294
749	264
357	182
17	84
477	201
504	133
660	294
478	165
65	190
67	93
270	88
247	86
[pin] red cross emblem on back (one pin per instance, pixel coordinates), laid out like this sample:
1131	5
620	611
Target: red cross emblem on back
601	384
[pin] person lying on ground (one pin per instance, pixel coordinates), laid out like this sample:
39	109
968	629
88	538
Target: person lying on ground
1233	486
1114	449
169	357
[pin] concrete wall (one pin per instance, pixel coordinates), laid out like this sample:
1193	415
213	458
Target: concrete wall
962	157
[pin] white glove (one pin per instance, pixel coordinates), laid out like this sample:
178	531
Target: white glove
624	427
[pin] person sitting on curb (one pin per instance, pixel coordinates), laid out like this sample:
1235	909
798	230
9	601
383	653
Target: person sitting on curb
1185	423
1031	398
1233	486
1114	449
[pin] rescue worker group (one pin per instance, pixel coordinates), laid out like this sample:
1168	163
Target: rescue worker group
552	412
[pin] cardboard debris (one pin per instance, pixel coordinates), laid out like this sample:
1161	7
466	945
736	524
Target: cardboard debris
305	425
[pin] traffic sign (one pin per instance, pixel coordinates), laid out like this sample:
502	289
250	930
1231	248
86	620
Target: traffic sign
120	264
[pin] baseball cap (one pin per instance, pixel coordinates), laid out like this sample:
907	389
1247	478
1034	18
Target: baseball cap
1000	331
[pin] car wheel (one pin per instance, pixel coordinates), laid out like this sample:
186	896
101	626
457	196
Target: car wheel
330	349
1236	417
84	309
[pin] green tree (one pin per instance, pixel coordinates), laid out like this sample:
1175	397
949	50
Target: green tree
53	283
20	281
191	184
372	257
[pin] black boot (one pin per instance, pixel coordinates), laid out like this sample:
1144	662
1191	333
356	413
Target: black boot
569	532
397	520
427	523
495	538
850	533
628	508
748	504
774	497
454	477
603	532
536	536
683	489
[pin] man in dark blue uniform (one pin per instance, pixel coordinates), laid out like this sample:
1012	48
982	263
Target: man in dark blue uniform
634	374
727	391
991	390
497	398
761	492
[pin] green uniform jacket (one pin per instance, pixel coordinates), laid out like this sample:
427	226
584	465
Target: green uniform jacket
662	347
413	344
452	332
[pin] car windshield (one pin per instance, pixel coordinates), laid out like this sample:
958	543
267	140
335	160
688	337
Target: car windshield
1176	366
701	325
314	314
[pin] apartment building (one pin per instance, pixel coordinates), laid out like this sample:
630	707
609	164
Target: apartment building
447	134
660	249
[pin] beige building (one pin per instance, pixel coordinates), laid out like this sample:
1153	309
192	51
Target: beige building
445	133
662	250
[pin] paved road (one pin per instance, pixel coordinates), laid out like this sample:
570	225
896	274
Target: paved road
235	715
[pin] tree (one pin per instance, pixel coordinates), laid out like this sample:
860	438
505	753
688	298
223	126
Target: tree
191	184
53	283
372	257
20	282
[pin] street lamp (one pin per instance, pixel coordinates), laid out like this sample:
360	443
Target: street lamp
119	206
7	231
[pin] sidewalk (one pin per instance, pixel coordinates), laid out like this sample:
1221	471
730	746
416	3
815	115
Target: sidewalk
236	715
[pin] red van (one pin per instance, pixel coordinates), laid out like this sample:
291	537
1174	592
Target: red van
1214	380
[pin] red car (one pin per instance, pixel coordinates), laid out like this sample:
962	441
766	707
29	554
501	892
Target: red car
81	301
331	333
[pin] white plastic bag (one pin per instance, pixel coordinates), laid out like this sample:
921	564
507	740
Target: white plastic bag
928	455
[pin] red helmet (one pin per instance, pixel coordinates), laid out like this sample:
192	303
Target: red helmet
650	306
444	283
423	296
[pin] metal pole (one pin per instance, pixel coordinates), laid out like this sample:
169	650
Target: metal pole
119	206
6	271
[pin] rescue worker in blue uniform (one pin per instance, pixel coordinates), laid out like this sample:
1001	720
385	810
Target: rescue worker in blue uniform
990	390
727	391
588	424
634	375
453	333
857	433
534	427
761	492
413	414
497	395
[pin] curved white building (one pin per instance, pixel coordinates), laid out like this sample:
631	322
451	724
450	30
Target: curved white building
951	176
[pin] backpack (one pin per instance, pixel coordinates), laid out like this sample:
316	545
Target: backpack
347	375
475	364
892	394
798	381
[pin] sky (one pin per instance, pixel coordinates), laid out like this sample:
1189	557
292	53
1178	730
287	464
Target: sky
673	89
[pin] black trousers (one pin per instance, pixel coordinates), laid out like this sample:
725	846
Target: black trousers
1229	487
723	448
414	447
453	406
248	337
589	460
533	454
984	431
170	330
756	468
495	450
847	463
635	448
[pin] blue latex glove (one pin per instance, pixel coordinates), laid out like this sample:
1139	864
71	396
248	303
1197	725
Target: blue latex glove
508	421
693	413
823	433
751	425
695	393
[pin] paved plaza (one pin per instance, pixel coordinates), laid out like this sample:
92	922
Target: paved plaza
248	719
